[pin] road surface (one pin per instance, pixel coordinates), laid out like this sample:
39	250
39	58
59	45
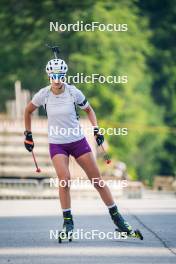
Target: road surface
27	228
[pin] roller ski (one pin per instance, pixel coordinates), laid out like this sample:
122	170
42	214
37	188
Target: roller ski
122	225
67	232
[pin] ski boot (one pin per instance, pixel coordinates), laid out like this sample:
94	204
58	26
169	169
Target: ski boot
68	226
122	225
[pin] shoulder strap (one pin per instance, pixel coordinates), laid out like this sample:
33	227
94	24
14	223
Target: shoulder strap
71	94
46	99
74	101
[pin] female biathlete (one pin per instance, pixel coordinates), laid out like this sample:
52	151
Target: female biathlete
59	100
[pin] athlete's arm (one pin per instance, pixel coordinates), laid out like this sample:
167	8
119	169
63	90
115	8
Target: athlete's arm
27	115
91	115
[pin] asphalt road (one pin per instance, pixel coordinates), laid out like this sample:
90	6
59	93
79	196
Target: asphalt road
26	227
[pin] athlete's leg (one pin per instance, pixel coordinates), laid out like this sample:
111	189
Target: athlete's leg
88	163
61	163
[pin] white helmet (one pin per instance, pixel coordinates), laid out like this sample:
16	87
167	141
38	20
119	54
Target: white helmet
56	66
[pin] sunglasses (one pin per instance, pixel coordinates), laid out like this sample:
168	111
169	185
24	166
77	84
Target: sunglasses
56	76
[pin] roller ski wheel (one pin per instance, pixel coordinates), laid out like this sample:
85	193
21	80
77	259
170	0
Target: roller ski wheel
65	236
135	234
138	234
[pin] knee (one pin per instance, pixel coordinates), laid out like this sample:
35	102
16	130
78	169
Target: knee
98	183
65	182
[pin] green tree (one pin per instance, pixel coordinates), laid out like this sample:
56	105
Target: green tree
163	67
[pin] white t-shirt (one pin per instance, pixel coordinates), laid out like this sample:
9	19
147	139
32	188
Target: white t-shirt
63	126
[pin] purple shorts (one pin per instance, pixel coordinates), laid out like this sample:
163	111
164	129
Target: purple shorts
75	149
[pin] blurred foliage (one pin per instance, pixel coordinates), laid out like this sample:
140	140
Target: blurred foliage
162	17
145	53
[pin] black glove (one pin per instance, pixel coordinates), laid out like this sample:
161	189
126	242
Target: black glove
99	137
28	142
